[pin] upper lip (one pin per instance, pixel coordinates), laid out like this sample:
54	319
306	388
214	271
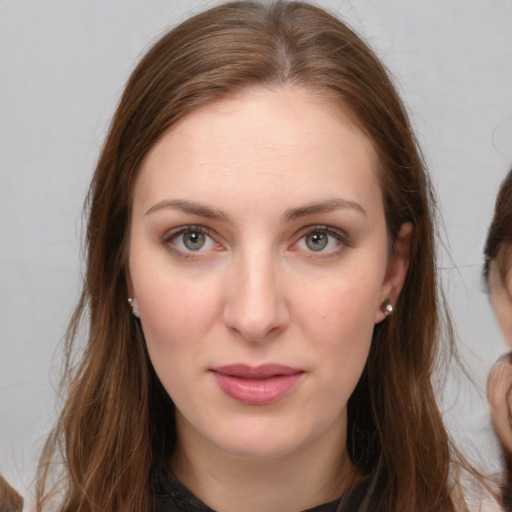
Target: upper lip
244	371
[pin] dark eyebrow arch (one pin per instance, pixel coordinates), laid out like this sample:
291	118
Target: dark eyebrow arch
322	207
189	207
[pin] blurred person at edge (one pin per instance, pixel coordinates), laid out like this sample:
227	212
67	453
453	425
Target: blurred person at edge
498	276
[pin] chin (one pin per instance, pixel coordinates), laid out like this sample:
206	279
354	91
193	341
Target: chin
263	439
264	447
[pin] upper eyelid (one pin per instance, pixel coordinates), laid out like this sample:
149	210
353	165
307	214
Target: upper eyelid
170	233
331	230
208	231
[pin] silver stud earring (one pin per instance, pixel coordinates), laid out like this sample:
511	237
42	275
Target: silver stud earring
135	309
387	308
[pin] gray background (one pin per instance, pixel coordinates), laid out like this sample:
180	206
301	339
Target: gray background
63	64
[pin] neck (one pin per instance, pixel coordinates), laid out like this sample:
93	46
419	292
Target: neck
315	473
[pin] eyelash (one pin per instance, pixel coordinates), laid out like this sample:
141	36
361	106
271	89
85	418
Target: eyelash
341	238
169	237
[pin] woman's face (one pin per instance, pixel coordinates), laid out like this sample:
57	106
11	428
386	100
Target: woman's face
259	262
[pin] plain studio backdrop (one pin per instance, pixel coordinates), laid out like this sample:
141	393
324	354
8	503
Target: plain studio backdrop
63	64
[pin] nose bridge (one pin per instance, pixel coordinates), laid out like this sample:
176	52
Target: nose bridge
255	305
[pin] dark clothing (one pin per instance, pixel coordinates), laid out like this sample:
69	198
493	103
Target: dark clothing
171	496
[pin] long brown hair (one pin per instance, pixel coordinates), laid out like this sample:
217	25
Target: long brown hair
117	420
10	500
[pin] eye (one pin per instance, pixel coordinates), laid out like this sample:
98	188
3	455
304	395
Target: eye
317	241
189	239
194	240
322	239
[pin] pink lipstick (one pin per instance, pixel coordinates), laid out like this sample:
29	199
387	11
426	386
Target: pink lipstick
257	385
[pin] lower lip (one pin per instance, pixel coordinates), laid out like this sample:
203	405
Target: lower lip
257	391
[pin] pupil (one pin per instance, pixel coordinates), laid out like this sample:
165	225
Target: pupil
317	242
194	241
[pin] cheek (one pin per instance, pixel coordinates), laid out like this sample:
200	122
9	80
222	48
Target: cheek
345	302
339	330
174	312
340	321
175	308
176	319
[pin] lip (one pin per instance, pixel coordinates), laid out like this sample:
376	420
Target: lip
257	385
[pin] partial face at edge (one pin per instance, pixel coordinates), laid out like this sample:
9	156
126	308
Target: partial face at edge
258	237
501	300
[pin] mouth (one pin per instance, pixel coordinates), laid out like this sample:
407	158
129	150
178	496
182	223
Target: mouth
257	385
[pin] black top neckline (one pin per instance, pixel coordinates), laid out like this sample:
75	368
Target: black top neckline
170	495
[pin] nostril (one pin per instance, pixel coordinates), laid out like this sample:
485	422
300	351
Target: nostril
254	305
256	325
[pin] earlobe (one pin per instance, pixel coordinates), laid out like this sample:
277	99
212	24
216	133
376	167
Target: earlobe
135	308
131	296
397	271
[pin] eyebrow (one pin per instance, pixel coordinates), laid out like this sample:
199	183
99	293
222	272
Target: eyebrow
322	207
292	214
189	207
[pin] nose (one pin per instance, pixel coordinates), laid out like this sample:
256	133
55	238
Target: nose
255	307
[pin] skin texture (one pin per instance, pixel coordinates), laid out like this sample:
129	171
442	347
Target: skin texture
501	300
256	293
499	384
499	395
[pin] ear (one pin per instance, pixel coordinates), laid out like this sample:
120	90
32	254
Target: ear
397	271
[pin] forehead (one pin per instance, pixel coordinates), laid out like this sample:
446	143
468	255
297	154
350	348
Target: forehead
262	140
292	111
